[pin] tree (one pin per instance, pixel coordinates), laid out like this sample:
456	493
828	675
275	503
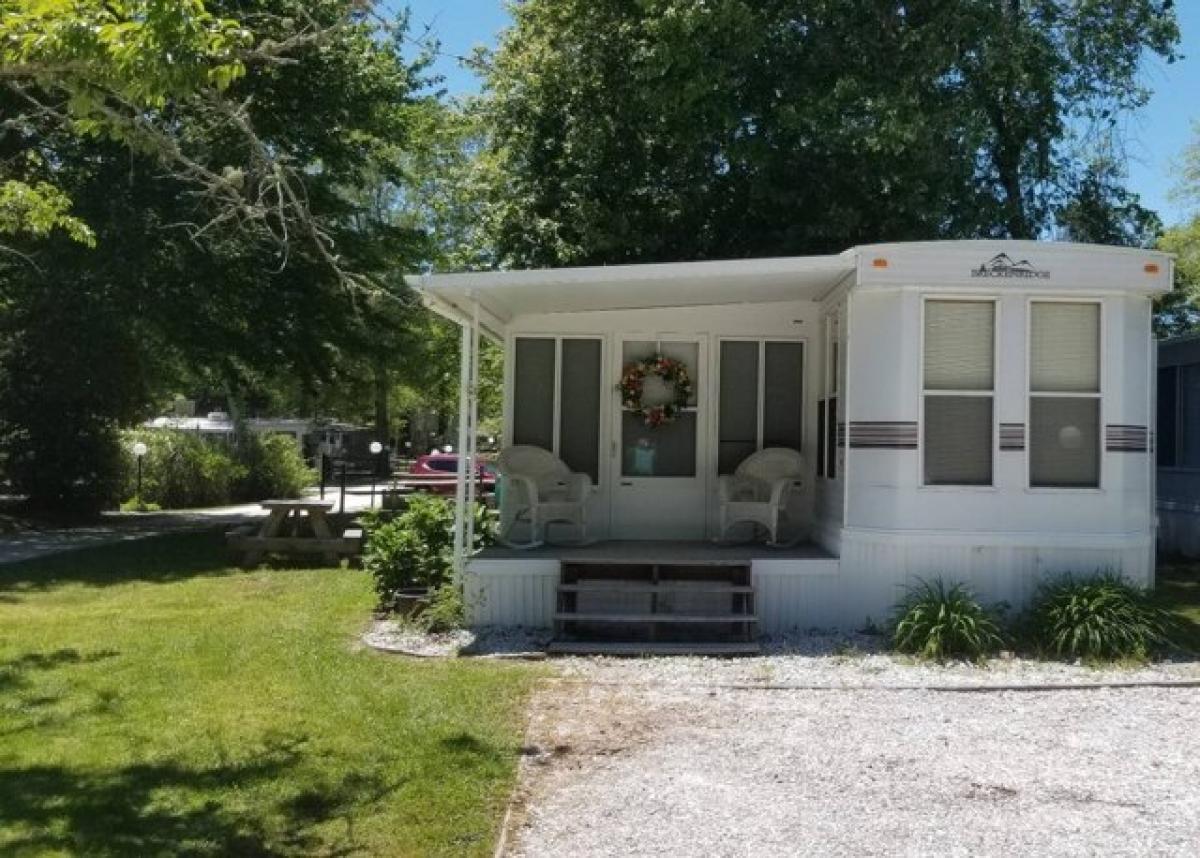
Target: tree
228	242
666	129
1179	312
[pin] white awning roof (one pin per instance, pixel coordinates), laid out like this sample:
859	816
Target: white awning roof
504	295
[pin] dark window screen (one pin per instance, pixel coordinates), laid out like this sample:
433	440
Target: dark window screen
738	410
831	417
783	395
579	427
533	393
821	438
1168	415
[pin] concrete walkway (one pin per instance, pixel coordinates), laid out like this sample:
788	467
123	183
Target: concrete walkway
125	526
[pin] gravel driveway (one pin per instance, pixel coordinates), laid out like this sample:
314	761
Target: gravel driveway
675	769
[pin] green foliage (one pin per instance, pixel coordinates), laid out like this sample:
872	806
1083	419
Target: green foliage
1179	311
940	621
274	468
445	611
666	129
38	209
1100	617
413	549
181	470
235	248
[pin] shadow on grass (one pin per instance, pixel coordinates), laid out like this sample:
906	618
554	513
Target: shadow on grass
1178	590
13	670
171	557
171	808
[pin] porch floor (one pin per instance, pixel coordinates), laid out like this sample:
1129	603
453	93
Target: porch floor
640	551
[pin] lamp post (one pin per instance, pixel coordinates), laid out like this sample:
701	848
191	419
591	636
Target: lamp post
139	452
376	448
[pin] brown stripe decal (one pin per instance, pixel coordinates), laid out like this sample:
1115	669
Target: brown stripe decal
883	435
841	434
1012	436
1126	438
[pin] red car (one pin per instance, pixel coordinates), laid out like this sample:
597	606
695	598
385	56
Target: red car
445	465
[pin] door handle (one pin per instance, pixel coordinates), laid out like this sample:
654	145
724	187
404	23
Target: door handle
627	482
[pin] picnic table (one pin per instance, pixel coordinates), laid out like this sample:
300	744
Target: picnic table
295	527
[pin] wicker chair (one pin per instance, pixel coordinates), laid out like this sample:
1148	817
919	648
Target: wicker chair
759	490
538	489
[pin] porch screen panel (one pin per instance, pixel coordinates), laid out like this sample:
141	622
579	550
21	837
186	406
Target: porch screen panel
738	404
533	392
783	390
1189	395
664	451
1168	415
579	420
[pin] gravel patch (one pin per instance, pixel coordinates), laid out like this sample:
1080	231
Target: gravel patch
398	637
672	770
855	661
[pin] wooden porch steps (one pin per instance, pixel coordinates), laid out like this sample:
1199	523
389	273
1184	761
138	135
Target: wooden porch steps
656	607
654	618
641	648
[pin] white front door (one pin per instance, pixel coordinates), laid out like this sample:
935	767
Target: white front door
658	473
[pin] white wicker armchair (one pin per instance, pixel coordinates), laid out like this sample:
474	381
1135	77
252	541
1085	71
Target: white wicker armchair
538	488
759	490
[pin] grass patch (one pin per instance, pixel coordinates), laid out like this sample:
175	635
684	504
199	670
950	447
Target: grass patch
1177	589
155	701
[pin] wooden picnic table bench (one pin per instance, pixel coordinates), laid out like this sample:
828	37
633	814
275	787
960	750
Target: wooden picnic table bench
284	530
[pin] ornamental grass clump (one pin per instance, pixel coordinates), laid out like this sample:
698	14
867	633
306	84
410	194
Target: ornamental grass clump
940	621
1100	617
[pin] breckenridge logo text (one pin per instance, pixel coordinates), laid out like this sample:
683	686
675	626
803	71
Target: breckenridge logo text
1002	265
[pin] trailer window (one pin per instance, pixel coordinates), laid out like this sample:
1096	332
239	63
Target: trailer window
959	387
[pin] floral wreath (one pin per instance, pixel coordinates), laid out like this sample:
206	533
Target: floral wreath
672	372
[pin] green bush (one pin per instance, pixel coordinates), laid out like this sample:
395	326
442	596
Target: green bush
274	468
180	470
940	621
445	612
413	549
1099	617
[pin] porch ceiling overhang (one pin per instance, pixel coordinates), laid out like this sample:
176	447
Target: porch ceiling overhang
505	295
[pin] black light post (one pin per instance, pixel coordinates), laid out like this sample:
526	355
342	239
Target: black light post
376	448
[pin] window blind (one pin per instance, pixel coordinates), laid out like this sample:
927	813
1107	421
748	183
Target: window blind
1065	347
1064	442
959	351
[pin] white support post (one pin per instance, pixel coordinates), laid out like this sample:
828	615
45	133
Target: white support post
460	483
472	450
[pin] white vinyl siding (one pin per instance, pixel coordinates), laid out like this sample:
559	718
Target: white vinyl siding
959	388
1064	394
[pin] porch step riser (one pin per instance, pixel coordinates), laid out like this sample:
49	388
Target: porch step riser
635	649
681	607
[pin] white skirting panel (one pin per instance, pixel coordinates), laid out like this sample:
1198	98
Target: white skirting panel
999	568
518	592
795	593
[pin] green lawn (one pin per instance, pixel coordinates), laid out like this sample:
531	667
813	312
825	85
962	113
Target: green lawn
1178	588
154	701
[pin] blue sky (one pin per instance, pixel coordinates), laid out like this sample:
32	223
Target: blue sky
1156	135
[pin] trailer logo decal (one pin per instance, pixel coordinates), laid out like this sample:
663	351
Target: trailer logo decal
1002	265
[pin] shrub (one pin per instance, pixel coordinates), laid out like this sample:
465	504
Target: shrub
940	621
413	549
445	612
180	470
1100	617
274	468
